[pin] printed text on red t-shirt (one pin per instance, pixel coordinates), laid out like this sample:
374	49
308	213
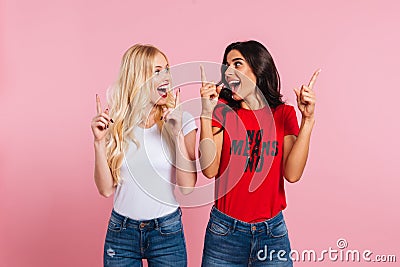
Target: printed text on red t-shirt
250	148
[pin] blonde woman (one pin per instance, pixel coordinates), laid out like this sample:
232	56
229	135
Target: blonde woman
144	147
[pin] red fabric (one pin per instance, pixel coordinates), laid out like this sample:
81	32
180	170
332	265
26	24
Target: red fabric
250	183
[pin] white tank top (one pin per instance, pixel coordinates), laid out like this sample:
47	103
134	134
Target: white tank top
148	175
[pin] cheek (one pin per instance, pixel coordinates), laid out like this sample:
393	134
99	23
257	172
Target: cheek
154	96
251	77
248	81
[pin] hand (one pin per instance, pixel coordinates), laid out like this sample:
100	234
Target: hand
209	94
173	116
306	97
100	122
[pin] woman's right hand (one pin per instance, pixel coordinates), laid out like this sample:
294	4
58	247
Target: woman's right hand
209	94
100	122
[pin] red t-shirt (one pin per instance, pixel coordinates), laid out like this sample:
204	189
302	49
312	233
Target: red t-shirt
249	185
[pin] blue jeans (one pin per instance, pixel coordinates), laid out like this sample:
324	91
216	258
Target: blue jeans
234	243
161	241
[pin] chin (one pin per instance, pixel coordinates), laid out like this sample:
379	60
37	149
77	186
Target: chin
161	102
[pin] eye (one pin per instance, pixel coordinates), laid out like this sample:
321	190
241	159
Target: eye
159	71
237	64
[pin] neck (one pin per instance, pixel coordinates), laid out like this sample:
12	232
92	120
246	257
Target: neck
253	102
149	118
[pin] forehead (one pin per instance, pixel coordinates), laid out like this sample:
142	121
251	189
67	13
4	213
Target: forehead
233	54
160	60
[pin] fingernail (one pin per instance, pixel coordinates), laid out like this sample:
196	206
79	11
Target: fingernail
112	120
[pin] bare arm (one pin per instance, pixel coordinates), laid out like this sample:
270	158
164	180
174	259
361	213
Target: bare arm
210	148
186	174
102	173
185	157
295	150
210	141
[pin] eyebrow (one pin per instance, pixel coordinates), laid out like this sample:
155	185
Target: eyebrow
162	66
238	58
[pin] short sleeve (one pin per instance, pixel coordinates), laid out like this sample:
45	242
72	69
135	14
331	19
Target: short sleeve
218	118
291	126
188	123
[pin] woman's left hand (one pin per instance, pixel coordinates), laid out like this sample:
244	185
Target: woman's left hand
306	97
173	117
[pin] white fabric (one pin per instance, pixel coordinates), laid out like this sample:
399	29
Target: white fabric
148	176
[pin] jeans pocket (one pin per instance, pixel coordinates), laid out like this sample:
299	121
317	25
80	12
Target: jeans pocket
171	227
114	225
279	230
218	228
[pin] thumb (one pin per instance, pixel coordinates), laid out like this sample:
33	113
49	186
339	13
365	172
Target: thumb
297	92
219	88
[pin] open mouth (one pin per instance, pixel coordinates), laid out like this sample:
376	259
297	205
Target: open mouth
163	90
234	85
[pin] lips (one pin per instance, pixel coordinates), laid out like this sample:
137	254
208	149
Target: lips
163	89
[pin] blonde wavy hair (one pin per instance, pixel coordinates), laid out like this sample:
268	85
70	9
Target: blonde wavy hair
128	101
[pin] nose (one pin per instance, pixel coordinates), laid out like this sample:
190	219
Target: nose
229	71
166	77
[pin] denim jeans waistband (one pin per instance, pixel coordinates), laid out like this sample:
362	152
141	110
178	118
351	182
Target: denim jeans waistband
153	223
242	226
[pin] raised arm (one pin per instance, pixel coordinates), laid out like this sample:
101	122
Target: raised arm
186	173
295	151
210	141
102	173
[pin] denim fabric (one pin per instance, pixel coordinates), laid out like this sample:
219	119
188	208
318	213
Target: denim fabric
234	243
161	241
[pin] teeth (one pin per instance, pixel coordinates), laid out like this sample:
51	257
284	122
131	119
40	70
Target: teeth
163	87
234	82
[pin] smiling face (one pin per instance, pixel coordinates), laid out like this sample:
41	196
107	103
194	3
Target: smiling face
239	76
161	81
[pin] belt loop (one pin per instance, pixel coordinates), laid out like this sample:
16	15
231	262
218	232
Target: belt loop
234	225
267	226
156	222
124	223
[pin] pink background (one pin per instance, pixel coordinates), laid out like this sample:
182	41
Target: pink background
56	55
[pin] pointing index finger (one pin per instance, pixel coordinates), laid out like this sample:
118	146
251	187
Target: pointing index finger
203	75
178	97
313	79
98	104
